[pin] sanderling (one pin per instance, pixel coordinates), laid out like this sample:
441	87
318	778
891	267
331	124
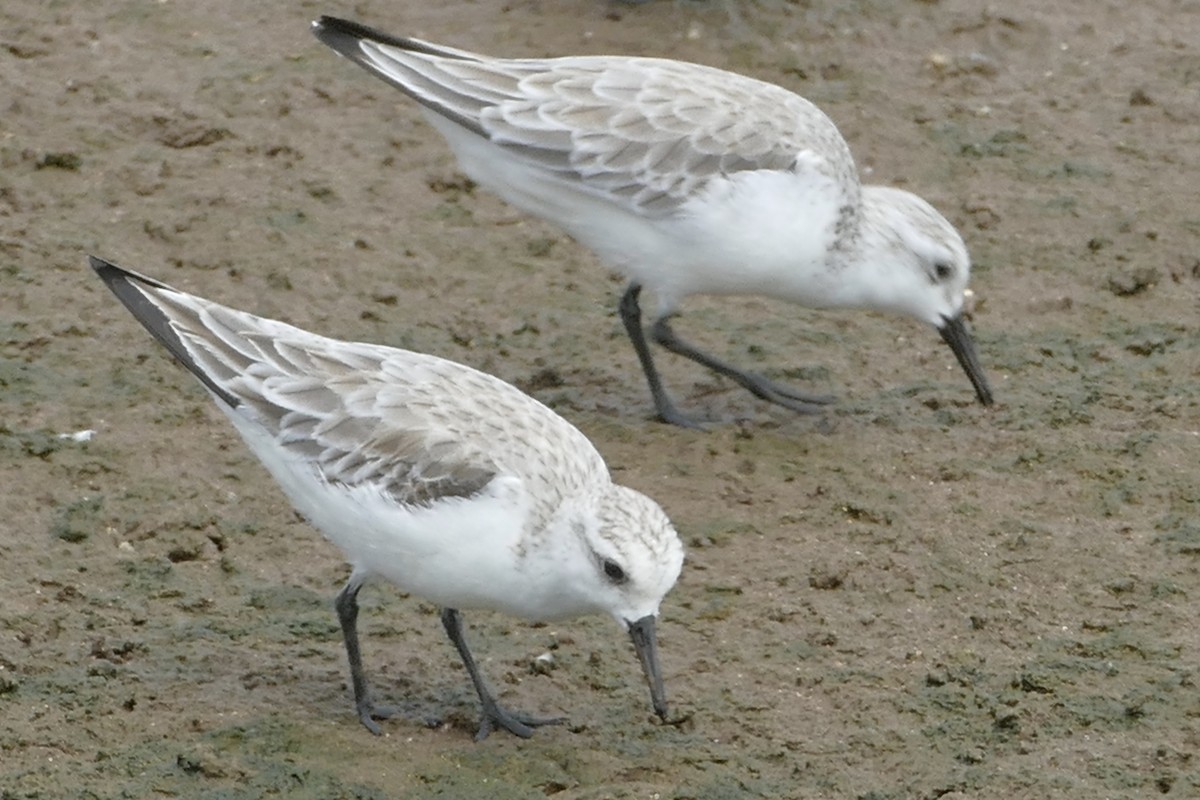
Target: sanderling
689	180
446	481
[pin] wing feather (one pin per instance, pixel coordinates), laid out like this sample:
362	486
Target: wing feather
418	428
641	132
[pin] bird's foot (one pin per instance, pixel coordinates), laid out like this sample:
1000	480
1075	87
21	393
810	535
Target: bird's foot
368	712
516	723
786	396
673	416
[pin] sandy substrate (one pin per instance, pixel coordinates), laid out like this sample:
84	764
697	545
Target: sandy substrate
907	597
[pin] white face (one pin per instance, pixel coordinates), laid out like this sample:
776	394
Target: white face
635	556
921	263
915	263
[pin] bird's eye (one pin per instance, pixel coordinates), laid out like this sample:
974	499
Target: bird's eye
613	571
942	270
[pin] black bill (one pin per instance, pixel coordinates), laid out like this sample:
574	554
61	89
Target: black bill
954	333
645	642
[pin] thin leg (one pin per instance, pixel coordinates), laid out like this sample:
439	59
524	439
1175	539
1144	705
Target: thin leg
756	384
493	715
347	611
631	315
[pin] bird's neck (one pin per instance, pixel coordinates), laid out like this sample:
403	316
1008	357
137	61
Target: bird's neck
862	258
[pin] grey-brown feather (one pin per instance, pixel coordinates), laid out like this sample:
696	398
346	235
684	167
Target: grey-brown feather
302	395
647	132
419	428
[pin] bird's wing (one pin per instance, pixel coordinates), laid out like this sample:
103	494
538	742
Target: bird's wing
642	132
416	427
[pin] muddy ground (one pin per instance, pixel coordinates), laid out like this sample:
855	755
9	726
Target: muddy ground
910	596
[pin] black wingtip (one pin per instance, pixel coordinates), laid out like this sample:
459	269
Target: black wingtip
112	274
105	269
326	25
124	284
343	36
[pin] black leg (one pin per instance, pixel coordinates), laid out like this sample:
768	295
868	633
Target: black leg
493	715
756	384
347	611
631	315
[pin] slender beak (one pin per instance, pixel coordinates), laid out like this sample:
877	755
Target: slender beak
645	642
954	333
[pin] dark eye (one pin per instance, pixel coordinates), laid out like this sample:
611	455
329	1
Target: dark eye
614	572
942	270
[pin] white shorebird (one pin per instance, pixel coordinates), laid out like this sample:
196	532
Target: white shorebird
446	481
688	180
